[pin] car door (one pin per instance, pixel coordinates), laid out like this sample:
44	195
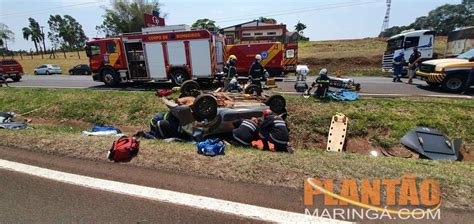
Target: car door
41	69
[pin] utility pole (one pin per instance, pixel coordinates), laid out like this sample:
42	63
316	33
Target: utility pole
42	35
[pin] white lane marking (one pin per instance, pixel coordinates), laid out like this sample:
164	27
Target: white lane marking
199	202
395	95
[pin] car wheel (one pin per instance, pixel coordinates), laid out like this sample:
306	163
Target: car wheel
190	88
47	73
204	107
454	83
70	73
36	73
277	104
16	78
110	77
253	89
86	73
178	76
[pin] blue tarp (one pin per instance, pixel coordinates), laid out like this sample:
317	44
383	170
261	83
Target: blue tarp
343	95
211	147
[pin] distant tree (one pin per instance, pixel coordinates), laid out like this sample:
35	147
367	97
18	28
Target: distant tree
33	33
125	16
66	32
443	19
205	24
299	27
266	20
5	35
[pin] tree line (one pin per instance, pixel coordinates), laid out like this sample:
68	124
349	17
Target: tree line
443	19
122	16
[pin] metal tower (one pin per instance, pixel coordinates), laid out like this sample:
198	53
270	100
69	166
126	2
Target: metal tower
387	16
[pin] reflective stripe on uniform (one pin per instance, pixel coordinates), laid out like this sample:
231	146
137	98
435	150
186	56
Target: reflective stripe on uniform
249	125
277	141
240	140
159	129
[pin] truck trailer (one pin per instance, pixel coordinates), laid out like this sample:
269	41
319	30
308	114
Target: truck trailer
161	56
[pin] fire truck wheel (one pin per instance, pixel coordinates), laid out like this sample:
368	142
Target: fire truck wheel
189	88
277	104
178	76
204	107
253	89
110	77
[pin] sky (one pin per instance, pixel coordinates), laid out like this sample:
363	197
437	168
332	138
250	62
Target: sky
325	19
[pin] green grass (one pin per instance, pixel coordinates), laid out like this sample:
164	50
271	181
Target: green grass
381	121
249	165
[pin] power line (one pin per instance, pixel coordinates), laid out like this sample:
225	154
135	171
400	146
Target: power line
300	11
259	14
17	14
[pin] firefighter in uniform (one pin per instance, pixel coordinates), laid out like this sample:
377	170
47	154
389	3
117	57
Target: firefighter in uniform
246	131
275	130
230	71
163	125
257	72
322	84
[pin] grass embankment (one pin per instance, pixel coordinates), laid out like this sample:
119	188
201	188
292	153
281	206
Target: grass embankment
381	121
357	57
66	63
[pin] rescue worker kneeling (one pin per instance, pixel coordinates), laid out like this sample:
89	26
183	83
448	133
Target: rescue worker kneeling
322	84
162	125
246	131
275	130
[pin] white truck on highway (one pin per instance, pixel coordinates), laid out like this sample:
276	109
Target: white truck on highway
405	42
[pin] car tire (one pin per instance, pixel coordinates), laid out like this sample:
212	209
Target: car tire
36	73
47	73
277	104
178	76
253	89
16	78
189	88
204	108
454	83
86	73
71	73
110	77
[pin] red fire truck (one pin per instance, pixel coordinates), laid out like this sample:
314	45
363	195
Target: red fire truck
277	58
163	56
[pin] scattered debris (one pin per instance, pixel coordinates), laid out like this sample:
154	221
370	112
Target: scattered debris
343	95
337	133
432	144
103	131
211	147
13	125
124	149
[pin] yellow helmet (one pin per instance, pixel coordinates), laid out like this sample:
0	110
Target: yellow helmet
232	58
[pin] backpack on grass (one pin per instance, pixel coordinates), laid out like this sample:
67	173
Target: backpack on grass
124	149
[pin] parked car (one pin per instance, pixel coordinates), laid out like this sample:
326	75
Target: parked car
11	68
450	73
81	69
48	69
